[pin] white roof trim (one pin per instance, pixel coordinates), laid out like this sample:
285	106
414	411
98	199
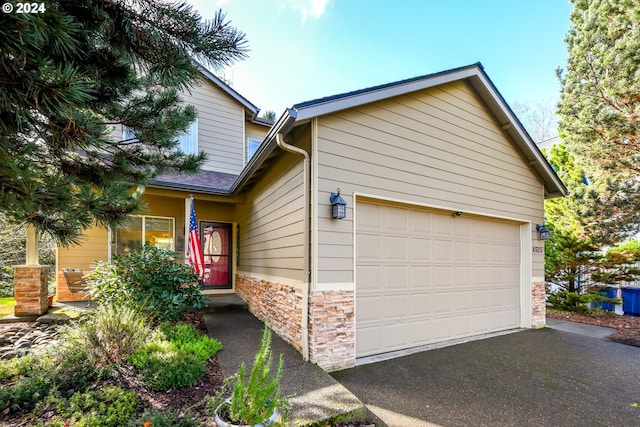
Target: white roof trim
365	97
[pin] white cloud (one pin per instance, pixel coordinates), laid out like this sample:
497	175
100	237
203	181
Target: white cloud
308	8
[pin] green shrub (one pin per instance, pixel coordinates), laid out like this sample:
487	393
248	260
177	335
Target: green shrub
32	386
175	358
110	407
56	373
110	334
165	370
571	301
148	277
186	338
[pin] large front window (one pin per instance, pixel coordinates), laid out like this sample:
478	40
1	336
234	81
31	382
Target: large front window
139	230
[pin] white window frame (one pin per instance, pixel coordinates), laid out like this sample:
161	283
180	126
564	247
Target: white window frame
112	232
250	154
187	142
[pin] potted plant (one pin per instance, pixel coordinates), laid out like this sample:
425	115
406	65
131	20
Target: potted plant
254	401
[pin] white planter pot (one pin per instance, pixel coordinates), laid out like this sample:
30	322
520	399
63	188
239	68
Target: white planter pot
275	417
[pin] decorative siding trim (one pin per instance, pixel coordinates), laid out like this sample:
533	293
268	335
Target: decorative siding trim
346	286
332	332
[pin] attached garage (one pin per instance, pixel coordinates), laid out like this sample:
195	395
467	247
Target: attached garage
427	276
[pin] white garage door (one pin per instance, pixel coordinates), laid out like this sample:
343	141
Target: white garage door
425	277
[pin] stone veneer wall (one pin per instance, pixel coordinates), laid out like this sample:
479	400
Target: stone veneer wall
538	304
278	304
332	334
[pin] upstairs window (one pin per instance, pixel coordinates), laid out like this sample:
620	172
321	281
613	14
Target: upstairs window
252	147
188	141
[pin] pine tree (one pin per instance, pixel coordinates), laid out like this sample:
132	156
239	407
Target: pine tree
600	108
69	76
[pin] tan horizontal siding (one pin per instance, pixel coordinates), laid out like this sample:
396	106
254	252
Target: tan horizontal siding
220	127
254	131
94	247
271	223
438	147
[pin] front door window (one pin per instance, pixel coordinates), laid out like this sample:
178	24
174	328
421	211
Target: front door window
216	251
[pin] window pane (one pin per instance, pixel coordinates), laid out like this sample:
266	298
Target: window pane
189	140
252	147
138	229
127	237
159	232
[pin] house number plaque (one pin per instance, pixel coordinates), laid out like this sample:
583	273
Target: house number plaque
538	249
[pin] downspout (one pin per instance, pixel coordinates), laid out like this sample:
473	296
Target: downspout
307	273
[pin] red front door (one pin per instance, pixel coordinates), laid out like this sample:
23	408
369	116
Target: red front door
216	251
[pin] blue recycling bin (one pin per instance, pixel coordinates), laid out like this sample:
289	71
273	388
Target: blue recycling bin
608	293
631	301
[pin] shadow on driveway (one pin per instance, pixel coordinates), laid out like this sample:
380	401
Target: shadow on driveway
541	377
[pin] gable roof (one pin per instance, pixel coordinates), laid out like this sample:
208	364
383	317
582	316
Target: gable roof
474	74
248	106
302	112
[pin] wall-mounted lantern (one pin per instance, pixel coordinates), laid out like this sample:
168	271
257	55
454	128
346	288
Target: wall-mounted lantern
338	206
543	231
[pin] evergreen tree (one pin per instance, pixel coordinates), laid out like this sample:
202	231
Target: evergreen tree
70	77
570	252
599	111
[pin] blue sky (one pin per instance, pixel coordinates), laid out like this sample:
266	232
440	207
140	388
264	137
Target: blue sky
306	49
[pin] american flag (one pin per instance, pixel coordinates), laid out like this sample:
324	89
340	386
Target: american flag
195	250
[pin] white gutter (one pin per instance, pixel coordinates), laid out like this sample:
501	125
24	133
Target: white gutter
307	268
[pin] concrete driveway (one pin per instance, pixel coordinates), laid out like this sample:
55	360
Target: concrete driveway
544	377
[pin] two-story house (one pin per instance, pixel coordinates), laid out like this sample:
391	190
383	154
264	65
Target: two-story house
443	190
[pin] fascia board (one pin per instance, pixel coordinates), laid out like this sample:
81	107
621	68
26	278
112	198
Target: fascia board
229	90
519	135
373	95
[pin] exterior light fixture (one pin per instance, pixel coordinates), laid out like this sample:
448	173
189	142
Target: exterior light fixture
543	231
338	206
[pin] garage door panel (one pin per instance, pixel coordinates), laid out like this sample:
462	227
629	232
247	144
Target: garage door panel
369	279
419	249
463	275
395	248
442	250
368	338
418	303
369	309
395	307
426	277
419	224
419	277
442	275
441	302
396	277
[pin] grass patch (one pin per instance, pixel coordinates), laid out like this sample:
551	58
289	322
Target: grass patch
7	305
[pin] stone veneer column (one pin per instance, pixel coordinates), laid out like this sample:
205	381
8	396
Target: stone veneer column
31	290
332	334
538	304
